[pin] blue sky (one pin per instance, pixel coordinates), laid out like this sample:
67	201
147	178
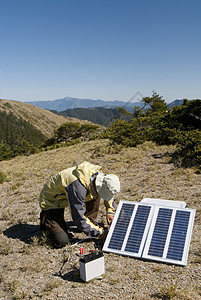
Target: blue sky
100	49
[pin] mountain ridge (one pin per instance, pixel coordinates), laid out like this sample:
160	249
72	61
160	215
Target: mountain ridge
71	103
63	104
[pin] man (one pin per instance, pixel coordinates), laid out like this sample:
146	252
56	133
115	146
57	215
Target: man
79	188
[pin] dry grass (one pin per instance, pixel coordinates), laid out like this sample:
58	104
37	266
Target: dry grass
29	267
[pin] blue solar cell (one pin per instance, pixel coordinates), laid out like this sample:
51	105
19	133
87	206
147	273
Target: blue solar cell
121	226
137	229
178	237
151	232
160	232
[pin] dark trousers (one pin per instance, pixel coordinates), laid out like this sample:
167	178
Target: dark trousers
52	222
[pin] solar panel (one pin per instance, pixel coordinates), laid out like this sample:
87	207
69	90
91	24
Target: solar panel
169	235
151	231
129	228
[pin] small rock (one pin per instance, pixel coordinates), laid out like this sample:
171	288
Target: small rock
119	287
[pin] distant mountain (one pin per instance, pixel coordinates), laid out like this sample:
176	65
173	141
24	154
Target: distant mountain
98	115
60	105
71	103
176	102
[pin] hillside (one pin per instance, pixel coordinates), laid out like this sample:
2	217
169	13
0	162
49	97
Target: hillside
98	115
14	129
43	120
31	269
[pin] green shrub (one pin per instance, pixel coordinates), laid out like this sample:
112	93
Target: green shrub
23	147
2	177
166	136
190	147
71	133
6	152
7	105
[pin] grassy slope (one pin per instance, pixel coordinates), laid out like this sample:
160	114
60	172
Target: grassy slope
28	268
42	119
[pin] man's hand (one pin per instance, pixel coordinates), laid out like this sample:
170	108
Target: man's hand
109	219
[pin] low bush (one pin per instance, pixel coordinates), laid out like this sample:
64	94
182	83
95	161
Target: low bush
2	177
190	147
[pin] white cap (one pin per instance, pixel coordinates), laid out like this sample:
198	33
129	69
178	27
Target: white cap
107	185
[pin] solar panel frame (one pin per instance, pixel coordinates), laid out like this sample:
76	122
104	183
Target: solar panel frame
129	228
163	202
164	257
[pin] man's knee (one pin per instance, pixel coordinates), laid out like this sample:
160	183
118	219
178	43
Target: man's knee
59	238
53	231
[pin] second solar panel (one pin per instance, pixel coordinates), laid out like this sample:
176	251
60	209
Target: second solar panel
129	228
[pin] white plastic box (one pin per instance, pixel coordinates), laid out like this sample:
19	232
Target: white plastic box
91	265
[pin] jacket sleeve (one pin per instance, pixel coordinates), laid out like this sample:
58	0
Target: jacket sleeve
76	196
110	207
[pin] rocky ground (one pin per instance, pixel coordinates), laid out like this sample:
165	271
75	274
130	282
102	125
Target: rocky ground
31	269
